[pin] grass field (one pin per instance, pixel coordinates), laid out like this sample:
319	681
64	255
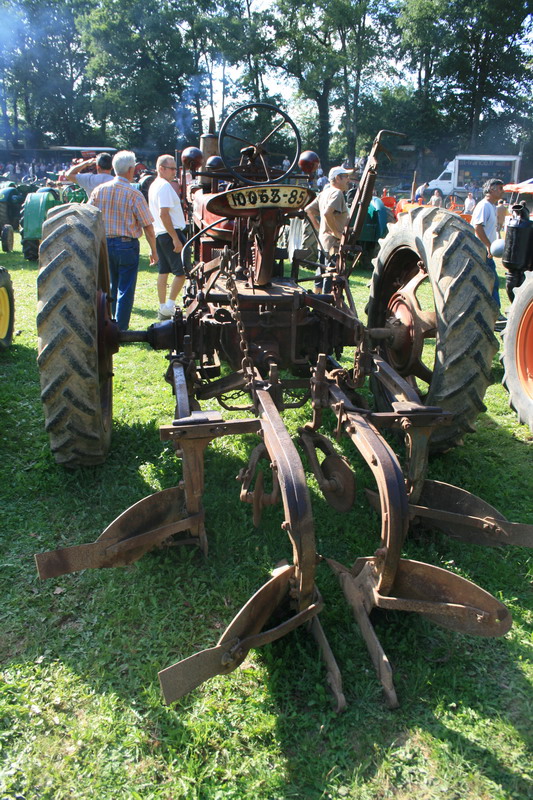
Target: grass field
81	715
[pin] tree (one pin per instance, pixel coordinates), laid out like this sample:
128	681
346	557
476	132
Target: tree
140	66
42	70
487	68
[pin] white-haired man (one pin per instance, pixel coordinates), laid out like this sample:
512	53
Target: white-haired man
329	213
169	227
126	215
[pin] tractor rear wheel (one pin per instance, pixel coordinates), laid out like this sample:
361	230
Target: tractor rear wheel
432	283
74	358
7	309
518	352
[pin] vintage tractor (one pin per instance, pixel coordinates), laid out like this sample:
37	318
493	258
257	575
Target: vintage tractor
279	346
35	210
12	198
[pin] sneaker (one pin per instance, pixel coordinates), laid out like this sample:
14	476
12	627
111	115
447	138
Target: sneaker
165	312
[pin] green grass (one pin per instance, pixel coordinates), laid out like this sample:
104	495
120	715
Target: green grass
80	708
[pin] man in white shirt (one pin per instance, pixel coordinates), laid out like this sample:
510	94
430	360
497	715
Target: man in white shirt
484	223
169	225
470	203
90	180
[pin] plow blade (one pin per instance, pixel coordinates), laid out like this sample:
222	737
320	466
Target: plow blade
446	599
243	633
137	530
463	516
443	597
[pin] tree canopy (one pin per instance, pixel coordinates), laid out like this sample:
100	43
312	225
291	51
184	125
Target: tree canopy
147	73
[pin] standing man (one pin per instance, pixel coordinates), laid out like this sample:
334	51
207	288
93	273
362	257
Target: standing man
501	214
470	203
169	226
126	215
484	223
436	199
329	214
419	193
90	180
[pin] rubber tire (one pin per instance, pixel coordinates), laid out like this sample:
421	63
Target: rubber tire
516	362
76	380
4	216
7	309
466	311
7	238
30	249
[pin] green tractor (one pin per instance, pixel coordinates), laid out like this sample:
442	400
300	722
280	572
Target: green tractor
12	198
35	210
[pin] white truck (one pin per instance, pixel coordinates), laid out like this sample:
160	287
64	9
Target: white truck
468	173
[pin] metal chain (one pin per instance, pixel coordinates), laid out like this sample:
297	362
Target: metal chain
247	363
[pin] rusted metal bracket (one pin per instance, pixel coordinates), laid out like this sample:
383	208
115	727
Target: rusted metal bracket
334	475
258	498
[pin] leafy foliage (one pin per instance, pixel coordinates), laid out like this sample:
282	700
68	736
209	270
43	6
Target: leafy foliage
453	75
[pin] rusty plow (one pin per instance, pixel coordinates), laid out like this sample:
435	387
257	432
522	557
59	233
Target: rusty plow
383	580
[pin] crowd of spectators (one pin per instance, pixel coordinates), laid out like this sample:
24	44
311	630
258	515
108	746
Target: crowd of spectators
16	170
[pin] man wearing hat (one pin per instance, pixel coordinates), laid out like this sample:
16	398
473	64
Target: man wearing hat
328	212
90	180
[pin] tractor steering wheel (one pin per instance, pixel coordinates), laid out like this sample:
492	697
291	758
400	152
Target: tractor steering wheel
278	141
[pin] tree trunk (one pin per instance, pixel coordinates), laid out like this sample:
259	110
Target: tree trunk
322	101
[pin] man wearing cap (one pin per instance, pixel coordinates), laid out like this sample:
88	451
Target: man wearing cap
328	212
126	215
169	226
90	180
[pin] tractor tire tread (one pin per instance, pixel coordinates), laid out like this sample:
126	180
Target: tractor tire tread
67	330
466	312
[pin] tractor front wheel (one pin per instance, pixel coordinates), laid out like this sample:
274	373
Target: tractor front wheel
73	324
7	309
432	287
518	352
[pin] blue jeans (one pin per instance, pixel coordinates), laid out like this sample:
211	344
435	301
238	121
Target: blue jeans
496	289
123	268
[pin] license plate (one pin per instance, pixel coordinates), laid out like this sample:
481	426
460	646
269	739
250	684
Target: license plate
268	196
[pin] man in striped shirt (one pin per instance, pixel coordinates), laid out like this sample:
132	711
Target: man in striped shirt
126	215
